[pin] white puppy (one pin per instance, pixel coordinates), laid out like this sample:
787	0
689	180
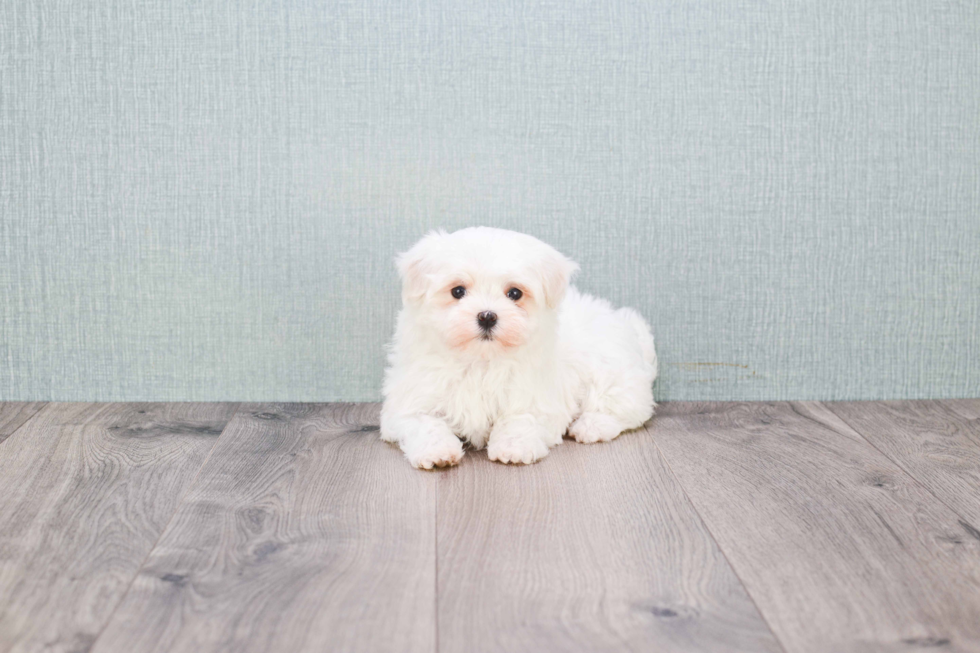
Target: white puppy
494	347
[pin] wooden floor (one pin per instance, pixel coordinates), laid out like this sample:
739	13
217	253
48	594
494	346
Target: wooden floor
291	527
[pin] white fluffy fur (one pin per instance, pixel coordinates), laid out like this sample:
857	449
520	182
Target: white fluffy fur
557	361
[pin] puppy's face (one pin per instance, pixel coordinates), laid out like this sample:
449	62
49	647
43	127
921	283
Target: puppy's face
483	290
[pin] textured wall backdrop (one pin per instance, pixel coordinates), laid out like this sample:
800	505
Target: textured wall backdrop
201	200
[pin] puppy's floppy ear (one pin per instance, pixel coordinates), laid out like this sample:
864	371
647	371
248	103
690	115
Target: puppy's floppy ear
413	267
556	270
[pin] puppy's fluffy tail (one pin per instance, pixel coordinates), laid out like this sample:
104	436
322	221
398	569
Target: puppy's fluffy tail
643	334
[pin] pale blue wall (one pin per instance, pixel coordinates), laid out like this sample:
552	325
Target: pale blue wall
200	200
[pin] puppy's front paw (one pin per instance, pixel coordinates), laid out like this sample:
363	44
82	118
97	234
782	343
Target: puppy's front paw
426	441
437	454
518	442
595	427
517	451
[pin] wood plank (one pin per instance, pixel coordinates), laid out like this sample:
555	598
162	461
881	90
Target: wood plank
931	441
14	413
64	413
595	548
81	507
304	532
969	408
841	550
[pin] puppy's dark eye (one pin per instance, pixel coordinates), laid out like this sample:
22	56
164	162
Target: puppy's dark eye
515	293
458	292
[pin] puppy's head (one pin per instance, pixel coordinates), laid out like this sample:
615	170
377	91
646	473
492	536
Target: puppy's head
484	289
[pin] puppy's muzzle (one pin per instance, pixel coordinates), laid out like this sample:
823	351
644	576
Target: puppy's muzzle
486	320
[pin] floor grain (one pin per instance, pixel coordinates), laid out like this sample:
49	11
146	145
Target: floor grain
841	550
931	441
304	532
595	548
82	505
14	413
969	408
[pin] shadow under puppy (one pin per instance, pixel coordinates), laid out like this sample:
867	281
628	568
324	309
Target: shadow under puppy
495	348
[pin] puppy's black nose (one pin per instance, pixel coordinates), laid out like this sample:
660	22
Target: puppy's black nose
487	319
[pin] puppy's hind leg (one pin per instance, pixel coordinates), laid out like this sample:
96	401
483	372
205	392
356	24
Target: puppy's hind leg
426	441
623	404
620	398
